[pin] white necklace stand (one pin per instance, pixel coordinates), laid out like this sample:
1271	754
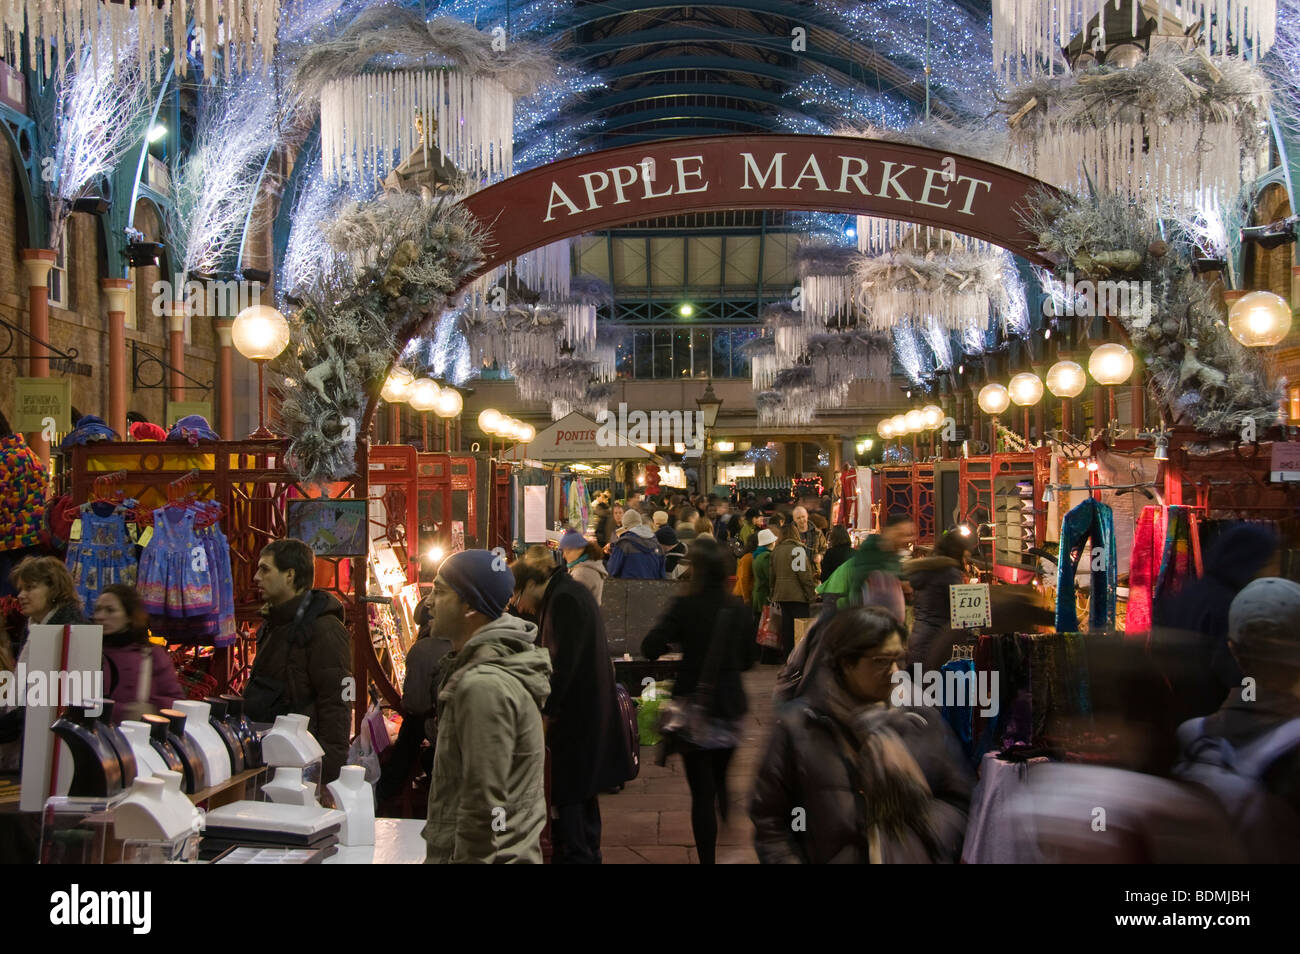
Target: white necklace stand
355	797
216	758
288	788
147	761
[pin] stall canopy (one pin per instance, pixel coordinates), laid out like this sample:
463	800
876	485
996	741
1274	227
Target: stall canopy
574	439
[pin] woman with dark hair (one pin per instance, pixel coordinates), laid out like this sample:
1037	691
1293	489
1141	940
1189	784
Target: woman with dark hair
794	582
138	675
873	781
839	547
930	578
715	633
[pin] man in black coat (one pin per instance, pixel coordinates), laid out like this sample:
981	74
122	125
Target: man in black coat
589	752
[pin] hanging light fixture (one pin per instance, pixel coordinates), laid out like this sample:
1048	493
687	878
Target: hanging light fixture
1025	389
1260	319
1110	364
993	399
1066	379
914	420
933	415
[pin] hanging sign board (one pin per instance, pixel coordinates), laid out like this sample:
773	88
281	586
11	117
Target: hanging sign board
577	438
968	606
1285	468
179	409
40	402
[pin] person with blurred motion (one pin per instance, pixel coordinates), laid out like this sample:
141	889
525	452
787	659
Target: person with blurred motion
794	584
487	799
930	578
809	535
839	547
1248	752
674	550
870	782
871	575
715	634
585	562
763	571
419	705
745	572
582	719
636	555
1190	627
604	525
138	676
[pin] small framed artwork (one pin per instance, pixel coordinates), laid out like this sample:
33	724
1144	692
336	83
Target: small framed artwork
332	528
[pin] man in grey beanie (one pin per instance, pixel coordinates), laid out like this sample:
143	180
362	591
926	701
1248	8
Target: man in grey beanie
1248	752
487	802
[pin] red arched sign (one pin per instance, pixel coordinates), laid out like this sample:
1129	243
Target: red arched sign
717	173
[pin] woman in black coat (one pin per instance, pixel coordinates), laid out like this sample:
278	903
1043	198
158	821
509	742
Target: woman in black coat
692	622
584	728
839	548
850	778
930	578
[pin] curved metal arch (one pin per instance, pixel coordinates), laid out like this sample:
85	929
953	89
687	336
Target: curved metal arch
37	224
587	14
283	222
721	64
757	120
678	37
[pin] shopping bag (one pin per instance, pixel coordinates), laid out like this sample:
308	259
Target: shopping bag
769	627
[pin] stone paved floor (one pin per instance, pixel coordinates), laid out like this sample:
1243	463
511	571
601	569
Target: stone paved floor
649	822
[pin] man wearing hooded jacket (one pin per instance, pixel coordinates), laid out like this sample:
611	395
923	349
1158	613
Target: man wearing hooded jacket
487	800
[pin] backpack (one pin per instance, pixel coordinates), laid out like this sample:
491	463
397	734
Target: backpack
631	731
1268	827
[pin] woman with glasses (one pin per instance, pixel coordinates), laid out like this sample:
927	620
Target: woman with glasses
856	771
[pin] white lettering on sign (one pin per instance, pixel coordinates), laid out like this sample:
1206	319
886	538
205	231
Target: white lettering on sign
938	187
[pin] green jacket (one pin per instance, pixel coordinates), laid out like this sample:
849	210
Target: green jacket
762	578
487	802
848	580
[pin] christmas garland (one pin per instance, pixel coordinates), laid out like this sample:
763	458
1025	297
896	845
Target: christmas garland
1203	376
400	260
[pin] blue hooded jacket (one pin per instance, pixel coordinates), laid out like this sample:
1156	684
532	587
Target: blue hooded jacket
637	555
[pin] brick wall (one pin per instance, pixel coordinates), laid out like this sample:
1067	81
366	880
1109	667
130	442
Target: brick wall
83	324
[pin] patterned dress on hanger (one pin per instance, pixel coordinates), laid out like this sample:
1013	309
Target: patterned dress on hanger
104	555
175	577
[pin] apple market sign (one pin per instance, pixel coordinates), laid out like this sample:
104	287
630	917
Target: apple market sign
718	173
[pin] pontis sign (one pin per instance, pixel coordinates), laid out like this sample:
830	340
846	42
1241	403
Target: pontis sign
819	173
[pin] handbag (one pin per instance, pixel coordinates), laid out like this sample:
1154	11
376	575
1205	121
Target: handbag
769	627
689	719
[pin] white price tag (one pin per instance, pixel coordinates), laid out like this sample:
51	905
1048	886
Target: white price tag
968	606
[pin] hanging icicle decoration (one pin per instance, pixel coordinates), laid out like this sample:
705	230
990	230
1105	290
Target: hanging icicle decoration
775	409
1015	312
957	289
579	325
909	353
368	123
244	29
547	270
1029	35
827	290
1176	130
839	357
567	379
763	361
939	339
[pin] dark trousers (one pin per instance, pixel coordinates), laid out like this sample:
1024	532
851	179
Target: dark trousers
575	833
789	613
706	775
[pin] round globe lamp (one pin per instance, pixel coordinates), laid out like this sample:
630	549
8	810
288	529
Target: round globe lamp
423	394
489	420
933	416
1110	364
260	333
396	387
1260	319
993	399
449	403
1066	379
885	429
915	421
1025	389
